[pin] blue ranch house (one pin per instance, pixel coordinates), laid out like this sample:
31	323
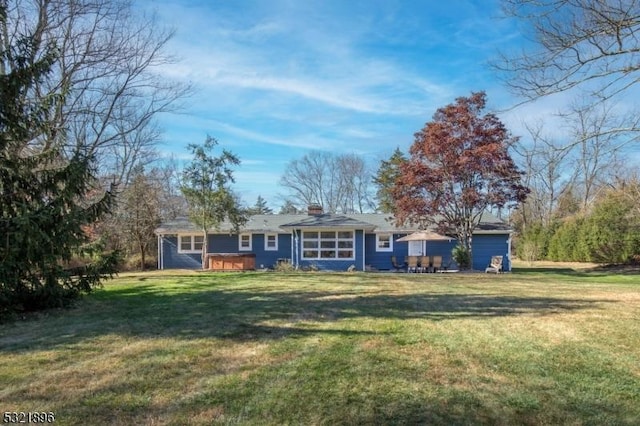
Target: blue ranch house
336	242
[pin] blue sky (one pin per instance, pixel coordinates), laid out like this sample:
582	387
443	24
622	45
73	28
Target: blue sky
274	79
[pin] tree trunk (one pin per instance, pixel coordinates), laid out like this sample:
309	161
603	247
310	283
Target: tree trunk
142	258
470	249
204	250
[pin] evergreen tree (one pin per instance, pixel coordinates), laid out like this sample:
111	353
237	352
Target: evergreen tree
205	185
289	208
260	207
611	231
45	192
385	179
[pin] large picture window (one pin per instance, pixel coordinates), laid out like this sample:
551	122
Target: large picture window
190	243
328	245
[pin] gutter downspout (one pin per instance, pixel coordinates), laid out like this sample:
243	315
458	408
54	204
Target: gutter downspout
160	251
297	252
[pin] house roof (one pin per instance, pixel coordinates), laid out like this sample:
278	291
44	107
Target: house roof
330	221
277	223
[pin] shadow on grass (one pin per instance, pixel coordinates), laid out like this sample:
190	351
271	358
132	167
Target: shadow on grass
597	271
567	272
266	311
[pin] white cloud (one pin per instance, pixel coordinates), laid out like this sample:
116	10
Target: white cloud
294	56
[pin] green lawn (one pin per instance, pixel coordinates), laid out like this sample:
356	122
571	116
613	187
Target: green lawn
532	347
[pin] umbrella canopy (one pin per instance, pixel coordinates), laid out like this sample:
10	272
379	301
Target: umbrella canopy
425	236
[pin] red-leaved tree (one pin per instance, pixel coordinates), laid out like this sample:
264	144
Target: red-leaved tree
459	167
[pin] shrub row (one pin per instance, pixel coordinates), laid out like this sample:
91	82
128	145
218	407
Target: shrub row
610	234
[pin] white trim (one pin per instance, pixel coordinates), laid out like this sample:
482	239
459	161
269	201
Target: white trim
192	243
266	240
364	251
491	232
240	246
293	259
384	249
414	249
159	250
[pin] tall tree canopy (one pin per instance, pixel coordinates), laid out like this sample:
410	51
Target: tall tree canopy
385	180
138	213
48	195
205	185
459	167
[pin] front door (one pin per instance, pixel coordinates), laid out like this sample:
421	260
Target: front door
416	248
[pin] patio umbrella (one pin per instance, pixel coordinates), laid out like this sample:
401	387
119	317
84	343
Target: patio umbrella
425	236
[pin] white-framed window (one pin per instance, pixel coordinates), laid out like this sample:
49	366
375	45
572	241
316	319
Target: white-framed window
190	243
338	245
244	242
384	242
270	242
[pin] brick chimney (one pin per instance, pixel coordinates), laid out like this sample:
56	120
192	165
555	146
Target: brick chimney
314	209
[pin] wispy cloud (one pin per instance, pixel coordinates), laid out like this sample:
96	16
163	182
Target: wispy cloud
276	79
292	56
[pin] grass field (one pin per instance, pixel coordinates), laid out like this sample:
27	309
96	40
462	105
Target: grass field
537	346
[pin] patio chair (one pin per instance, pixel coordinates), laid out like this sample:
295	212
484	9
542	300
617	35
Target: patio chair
495	265
394	263
437	263
446	265
425	264
412	264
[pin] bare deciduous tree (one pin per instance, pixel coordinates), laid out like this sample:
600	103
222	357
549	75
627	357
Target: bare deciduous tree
339	183
109	67
167	175
139	214
587	43
355	177
597	143
547	174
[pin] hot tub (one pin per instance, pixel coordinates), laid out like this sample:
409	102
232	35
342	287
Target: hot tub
232	261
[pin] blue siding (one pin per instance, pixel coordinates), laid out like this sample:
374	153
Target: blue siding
381	260
171	259
485	246
269	258
442	248
223	243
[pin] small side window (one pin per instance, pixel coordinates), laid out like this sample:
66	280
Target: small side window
244	243
271	242
384	242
